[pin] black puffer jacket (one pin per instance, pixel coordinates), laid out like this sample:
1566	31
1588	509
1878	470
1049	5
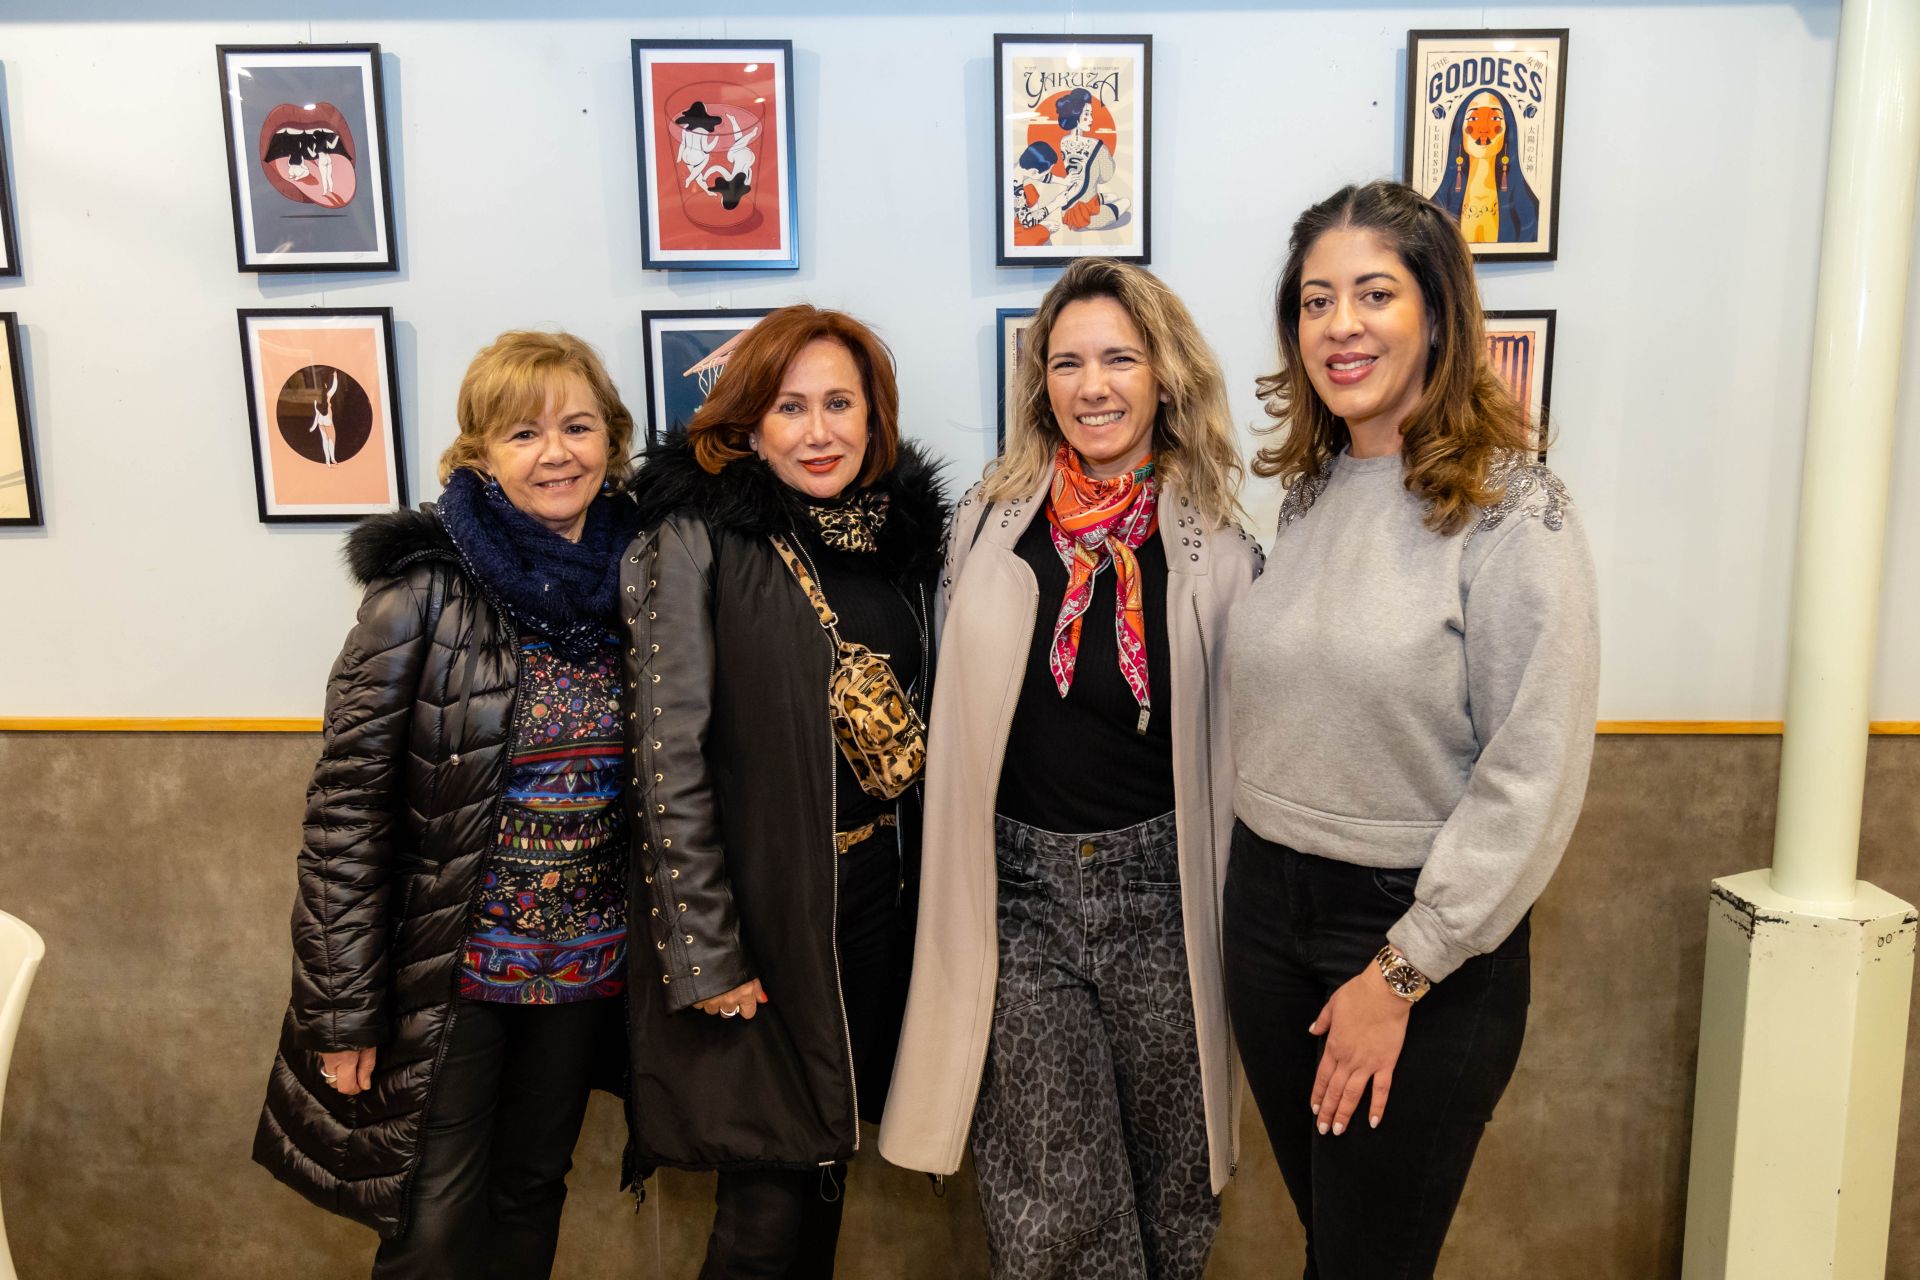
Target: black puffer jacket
735	869
401	813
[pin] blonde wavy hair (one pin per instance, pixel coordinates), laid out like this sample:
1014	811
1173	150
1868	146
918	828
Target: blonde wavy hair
1465	418
1195	443
508	383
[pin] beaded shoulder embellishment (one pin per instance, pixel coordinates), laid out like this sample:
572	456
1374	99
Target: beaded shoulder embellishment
1531	490
1301	497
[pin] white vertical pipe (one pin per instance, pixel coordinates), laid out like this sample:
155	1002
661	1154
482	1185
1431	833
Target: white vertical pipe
1865	242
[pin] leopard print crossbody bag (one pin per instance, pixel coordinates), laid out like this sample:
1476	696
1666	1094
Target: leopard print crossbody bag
879	731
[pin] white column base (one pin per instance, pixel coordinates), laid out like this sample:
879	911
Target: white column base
1796	1110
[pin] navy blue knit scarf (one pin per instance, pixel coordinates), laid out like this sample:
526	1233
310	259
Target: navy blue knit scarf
565	591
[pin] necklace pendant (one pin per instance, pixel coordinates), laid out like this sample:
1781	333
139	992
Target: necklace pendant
1141	727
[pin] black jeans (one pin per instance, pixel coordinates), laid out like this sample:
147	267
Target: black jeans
1376	1203
499	1135
784	1224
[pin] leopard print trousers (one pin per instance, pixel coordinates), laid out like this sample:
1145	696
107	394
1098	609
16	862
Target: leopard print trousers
1089	1138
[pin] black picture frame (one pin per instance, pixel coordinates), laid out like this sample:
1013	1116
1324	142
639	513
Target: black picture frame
1537	396
343	238
1007	329
383	375
34	515
1437	104
1018	199
9	236
662	218
703	325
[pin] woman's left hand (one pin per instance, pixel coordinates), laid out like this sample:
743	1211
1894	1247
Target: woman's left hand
1365	1024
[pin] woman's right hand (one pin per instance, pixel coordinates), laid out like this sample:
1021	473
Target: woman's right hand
349	1071
744	1000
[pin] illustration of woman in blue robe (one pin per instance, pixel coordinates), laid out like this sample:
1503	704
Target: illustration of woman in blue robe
1483	185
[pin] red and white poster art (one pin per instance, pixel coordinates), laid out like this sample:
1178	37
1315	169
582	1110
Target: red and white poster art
714	124
321	399
1483	134
1073	118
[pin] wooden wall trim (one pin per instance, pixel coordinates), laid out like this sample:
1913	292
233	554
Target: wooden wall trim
311	724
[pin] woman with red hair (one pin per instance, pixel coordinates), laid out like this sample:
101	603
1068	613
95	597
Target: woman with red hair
779	659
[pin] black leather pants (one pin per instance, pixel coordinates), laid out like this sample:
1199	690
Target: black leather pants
499	1137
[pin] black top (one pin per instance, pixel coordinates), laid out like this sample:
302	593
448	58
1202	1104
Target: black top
1076	764
874	612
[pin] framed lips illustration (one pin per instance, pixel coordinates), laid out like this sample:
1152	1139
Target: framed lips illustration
322	403
307	157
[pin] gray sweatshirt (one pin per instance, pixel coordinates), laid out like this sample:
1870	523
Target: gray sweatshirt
1406	699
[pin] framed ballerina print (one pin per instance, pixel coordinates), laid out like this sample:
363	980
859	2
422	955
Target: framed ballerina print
323	412
307	157
1072	146
1520	348
1484	123
713	120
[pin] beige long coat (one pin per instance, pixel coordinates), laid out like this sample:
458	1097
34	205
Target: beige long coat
988	601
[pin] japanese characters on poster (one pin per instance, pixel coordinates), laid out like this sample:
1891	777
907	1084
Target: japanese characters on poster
1483	138
714	124
1073	124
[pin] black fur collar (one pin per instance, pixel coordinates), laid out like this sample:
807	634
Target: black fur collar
747	498
378	544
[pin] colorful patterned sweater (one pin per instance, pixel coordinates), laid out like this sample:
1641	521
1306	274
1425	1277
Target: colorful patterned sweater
550	925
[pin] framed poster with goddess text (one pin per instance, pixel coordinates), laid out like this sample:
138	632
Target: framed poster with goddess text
19	485
1483	135
307	157
713	120
323	409
1520	349
686	350
1073	125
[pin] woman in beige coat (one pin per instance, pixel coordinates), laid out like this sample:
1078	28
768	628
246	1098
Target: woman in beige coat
1066	1013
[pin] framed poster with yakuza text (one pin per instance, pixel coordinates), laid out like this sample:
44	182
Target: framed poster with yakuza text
307	157
1073	125
19	484
1520	349
1483	135
323	412
685	352
1012	324
713	120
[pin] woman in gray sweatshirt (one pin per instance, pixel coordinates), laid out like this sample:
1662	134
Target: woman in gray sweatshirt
1413	687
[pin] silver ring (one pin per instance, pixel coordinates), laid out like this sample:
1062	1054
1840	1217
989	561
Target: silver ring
729	1013
329	1079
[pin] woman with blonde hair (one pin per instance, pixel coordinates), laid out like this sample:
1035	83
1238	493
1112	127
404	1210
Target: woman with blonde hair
1414	684
460	935
1066	1011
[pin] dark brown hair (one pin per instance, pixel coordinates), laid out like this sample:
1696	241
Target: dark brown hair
750	382
1465	416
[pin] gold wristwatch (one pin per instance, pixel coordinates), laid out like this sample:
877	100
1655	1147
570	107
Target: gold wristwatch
1402	978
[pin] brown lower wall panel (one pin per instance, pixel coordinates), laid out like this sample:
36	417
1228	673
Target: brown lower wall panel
160	871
